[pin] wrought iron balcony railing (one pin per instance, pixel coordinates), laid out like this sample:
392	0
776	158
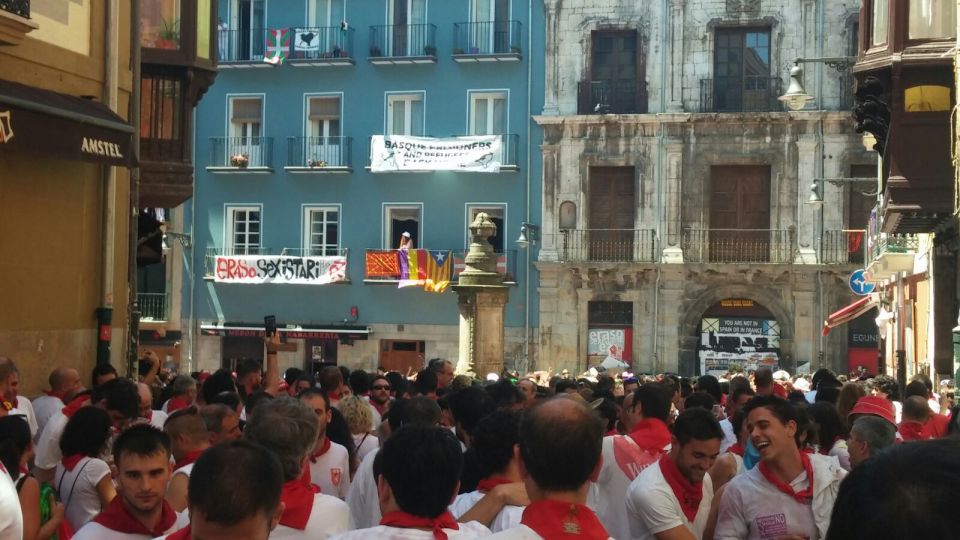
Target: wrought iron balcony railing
242	45
776	246
487	38
611	97
383	264
307	45
740	94
403	41
17	7
153	306
843	247
606	245
241	152
899	244
319	153
323	251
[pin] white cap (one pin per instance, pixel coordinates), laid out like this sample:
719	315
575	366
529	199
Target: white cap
492	377
405	233
781	375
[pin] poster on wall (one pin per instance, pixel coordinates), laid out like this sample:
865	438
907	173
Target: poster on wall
478	153
735	342
610	348
255	269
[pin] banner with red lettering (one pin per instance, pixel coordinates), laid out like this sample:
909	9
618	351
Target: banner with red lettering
280	269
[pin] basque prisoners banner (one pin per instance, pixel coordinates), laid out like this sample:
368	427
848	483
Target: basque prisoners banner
280	269
391	153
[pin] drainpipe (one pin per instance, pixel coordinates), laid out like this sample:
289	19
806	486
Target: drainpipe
658	243
526	270
108	176
821	354
191	265
133	309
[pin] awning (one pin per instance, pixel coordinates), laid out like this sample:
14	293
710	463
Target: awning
289	331
69	127
849	313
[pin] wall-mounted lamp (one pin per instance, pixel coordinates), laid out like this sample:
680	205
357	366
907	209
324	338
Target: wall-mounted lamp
796	97
529	234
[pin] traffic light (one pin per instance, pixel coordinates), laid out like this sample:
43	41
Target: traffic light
872	112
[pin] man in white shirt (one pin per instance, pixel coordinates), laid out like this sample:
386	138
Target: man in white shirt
142	456
671	500
789	493
329	461
418	471
156	418
188	440
289	428
10	390
739	396
64	382
11	517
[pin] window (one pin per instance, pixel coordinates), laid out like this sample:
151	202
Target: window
399	219
879	22
321	234
405	114
742	79
933	19
488	113
161	119
323	131
246	36
160	24
322	13
409	27
498	215
243	230
246	115
615	81
490	28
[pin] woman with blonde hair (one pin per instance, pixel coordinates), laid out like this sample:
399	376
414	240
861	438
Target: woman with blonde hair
356	411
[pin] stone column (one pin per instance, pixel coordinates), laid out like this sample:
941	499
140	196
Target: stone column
674	75
673	191
808	215
551	49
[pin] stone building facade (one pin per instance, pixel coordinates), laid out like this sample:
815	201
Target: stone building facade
676	185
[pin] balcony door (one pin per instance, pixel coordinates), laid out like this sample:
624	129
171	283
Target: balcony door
323	137
246	117
489	29
488	116
409	33
327	14
247	25
742	79
612	214
614	69
740	214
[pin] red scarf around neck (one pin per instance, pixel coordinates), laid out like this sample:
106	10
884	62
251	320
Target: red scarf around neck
688	494
735	448
297	497
188	458
75	405
177	403
117	517
322	449
491	482
802	497
403	520
71	461
651	434
59	395
557	520
182	534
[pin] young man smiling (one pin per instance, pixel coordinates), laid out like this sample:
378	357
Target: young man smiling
790	494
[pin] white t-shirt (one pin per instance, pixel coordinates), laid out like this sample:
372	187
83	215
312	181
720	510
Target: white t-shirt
48	445
652	506
78	490
11	518
44	407
332	471
26	409
466	531
363	499
157	419
729	437
377	418
330	516
96	531
623	460
523	533
754	509
365	442
508	517
185	470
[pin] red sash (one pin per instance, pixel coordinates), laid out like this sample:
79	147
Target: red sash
488	484
69	462
651	435
802	497
736	449
182	534
688	495
117	517
176	403
190	457
403	520
297	498
75	405
556	520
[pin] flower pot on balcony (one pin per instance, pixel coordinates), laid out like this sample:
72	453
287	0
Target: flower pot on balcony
429	50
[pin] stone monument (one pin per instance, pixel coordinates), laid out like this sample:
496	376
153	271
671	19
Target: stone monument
481	298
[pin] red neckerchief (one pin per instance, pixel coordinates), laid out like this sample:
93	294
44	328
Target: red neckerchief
297	498
59	395
380	408
557	520
321	450
735	448
488	484
911	431
802	497
182	534
188	458
403	520
611	433
688	495
75	405
177	403
69	462
333	395
149	415
117	517
651	434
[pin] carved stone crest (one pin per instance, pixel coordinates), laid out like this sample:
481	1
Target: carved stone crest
740	8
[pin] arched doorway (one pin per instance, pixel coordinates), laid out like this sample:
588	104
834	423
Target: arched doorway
738	334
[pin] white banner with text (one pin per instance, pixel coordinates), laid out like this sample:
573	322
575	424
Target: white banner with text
280	269
479	153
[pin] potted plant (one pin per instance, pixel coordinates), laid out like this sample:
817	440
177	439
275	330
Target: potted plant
474	50
335	51
429	50
169	37
240	160
375	51
314	163
457	50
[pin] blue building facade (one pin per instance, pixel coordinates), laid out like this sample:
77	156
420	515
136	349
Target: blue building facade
283	169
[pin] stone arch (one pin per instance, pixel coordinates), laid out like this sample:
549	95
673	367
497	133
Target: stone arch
766	296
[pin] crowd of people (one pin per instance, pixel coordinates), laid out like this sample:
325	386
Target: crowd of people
347	454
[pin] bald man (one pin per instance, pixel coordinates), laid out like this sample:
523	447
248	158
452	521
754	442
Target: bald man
189	438
64	383
156	418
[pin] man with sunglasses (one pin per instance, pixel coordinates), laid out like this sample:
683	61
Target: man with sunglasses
379	396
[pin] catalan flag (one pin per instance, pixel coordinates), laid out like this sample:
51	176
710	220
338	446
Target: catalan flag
431	269
439	270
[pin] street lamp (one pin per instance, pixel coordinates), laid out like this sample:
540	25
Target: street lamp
796	97
529	234
816	193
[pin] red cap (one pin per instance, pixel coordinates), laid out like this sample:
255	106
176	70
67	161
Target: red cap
876	406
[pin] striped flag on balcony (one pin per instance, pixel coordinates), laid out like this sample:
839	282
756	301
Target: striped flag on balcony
278	43
430	269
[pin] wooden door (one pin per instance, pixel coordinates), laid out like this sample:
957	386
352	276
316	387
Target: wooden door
740	214
401	355
612	214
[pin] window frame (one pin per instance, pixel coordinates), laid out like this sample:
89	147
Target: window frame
487	94
229	233
306	229
391	97
231	124
385	231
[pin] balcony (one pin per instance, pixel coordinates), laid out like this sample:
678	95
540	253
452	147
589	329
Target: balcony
210	257
17	7
611	97
271	270
889	254
248	155
242	48
310	46
738	95
843	247
393	44
606	245
153	306
15	21
750	246
382	265
491	41
319	155
508	155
